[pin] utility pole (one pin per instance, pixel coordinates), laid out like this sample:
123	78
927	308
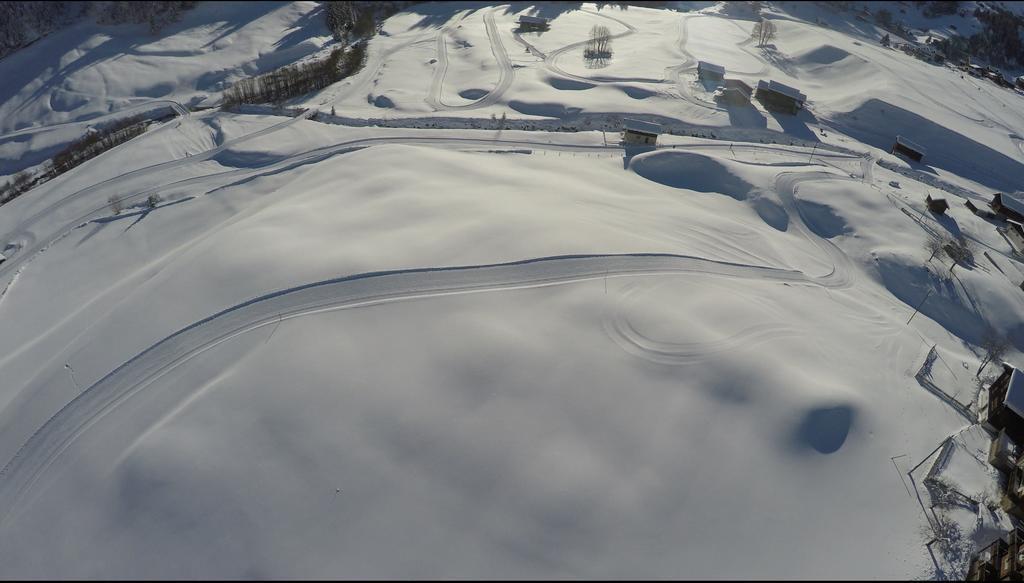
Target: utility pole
813	150
918	308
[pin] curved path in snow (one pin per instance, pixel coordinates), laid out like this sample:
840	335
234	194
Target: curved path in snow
132	188
45	446
505	72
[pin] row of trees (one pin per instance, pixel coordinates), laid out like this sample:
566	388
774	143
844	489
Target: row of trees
22	23
294	80
350	21
89	146
95	143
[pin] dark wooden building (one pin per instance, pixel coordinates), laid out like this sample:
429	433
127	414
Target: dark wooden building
937	205
1003	453
533	23
778	97
985	564
1011	566
1007	207
907	149
709	71
640	133
1005	408
735	92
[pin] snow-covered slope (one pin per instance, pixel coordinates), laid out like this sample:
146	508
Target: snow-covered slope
430	336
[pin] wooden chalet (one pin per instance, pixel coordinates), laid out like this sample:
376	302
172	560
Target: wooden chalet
1011	566
985	564
907	149
1007	207
1005	408
983	213
778	97
640	133
533	23
938	206
1003	453
709	71
735	92
1015	235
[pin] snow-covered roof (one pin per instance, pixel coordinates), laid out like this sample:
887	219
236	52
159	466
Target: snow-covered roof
711	67
786	90
1015	393
533	19
1012	203
641	126
908	144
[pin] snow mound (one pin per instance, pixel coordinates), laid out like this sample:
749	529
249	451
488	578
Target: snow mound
690	171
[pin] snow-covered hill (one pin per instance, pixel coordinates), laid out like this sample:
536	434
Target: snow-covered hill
455	329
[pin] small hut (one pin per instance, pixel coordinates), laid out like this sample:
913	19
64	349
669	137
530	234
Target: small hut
1005	409
709	71
533	23
640	133
778	97
985	564
937	205
1015	234
735	92
1011	567
1007	207
1003	453
907	149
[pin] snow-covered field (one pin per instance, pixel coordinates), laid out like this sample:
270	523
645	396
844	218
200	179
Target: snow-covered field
451	348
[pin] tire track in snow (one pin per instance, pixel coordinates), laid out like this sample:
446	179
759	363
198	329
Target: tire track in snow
506	73
46	445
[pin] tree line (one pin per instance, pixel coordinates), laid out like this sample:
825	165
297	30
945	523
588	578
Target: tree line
22	23
85	148
294	80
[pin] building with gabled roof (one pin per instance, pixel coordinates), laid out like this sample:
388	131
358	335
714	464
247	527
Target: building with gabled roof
710	71
907	149
1007	207
778	97
1005	409
640	133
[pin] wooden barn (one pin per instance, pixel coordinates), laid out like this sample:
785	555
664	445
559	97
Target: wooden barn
1011	567
937	205
1007	207
1014	232
640	133
1003	453
907	149
778	97
985	214
735	92
709	71
1005	409
985	564
533	23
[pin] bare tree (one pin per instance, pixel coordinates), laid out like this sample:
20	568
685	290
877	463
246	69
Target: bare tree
763	32
599	46
995	346
152	201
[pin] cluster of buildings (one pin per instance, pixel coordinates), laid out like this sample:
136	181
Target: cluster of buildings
773	95
1003	416
991	74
